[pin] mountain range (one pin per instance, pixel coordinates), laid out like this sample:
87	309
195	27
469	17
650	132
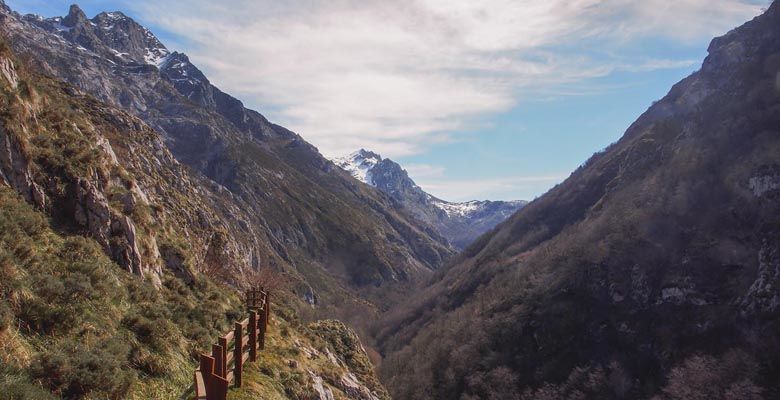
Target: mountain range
276	201
460	223
137	199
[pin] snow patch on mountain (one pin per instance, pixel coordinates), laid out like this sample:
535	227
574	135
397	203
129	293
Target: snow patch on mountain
459	209
359	164
56	23
118	32
156	56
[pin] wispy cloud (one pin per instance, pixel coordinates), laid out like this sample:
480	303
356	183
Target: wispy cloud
424	171
397	76
497	188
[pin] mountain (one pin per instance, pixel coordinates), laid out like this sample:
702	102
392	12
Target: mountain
459	223
102	293
341	244
653	271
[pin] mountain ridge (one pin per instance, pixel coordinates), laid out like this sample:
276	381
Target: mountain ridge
113	263
459	222
334	248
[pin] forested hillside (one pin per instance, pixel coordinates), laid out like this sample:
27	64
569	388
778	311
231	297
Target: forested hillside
651	272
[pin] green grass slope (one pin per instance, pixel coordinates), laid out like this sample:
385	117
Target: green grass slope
75	324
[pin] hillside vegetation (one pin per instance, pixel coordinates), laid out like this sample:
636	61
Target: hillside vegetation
74	323
101	294
344	246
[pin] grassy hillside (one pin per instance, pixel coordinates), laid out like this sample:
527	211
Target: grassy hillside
343	244
102	293
74	323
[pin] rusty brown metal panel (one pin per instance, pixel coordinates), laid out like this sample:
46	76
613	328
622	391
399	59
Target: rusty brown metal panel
223	343
207	365
219	388
238	353
218	355
200	386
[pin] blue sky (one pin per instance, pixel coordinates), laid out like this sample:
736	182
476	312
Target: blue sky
496	99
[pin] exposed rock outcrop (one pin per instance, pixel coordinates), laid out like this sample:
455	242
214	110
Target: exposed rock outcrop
8	71
763	296
15	170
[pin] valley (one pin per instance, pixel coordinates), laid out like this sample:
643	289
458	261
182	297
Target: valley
138	202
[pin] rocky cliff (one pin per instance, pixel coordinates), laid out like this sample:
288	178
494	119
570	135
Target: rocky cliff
102	172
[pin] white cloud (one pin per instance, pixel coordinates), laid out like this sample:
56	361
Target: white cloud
498	188
679	19
396	77
424	171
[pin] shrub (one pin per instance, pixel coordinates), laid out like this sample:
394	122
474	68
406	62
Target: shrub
48	312
151	363
582	382
16	387
73	369
707	377
6	315
152	327
94	326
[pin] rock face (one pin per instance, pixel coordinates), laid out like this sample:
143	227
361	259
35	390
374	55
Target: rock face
359	380
286	207
323	360
459	223
653	261
70	169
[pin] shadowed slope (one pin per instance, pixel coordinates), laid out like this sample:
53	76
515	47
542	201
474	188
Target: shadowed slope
662	247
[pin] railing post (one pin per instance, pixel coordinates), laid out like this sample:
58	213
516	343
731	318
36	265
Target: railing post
216	386
238	354
252	327
207	372
211	376
217	352
223	357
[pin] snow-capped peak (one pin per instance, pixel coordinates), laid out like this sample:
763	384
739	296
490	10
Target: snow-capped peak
114	15
359	164
470	208
459	209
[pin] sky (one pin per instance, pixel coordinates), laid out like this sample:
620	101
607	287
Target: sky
477	99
